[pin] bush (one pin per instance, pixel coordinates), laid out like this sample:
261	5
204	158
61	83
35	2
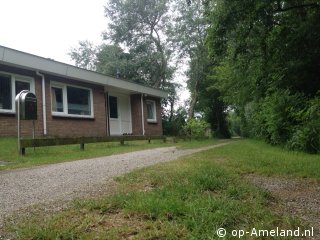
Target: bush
275	116
196	128
306	136
286	119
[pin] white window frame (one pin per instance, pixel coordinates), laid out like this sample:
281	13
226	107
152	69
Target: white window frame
65	113
14	78
154	119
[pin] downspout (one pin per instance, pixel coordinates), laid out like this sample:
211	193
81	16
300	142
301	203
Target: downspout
107	112
142	115
44	110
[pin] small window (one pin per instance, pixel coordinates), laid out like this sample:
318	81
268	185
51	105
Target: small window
5	92
113	105
151	111
57	99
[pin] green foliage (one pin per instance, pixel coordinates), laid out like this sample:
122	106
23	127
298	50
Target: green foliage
274	116
265	65
306	136
140	26
84	55
234	124
196	128
173	125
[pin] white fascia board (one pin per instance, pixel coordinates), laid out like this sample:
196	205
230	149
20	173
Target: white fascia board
32	62
29	61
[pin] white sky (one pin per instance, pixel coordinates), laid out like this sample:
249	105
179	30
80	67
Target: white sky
50	28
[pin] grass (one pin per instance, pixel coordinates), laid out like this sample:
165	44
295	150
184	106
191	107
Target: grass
185	199
252	156
56	154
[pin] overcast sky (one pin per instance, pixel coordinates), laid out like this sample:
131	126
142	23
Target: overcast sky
49	28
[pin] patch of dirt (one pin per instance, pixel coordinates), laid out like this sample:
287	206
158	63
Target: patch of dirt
298	197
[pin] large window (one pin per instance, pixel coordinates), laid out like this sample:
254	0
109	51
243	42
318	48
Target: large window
151	111
10	86
67	100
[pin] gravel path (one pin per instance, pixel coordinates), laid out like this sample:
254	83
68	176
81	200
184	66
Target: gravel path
298	197
64	181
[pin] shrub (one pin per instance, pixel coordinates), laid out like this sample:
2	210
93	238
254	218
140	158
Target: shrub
306	136
196	128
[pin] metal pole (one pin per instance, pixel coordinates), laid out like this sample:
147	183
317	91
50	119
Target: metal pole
18	119
33	133
18	115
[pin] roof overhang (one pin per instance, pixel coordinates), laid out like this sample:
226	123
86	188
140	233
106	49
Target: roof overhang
32	62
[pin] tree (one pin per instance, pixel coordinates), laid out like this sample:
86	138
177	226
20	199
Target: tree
84	55
266	65
188	34
139	26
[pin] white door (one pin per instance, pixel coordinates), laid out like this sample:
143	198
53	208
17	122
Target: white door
119	114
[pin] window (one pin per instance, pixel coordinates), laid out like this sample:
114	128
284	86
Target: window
78	101
57	99
72	101
113	106
22	85
151	111
5	92
10	86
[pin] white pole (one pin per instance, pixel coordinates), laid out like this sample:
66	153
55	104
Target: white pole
44	110
142	115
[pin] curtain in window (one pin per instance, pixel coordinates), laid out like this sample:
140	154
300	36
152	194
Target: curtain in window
57	99
150	110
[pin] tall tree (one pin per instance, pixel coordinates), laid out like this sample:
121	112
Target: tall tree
266	64
139	26
188	34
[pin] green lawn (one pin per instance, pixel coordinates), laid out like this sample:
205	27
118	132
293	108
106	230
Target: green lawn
250	156
56	154
185	199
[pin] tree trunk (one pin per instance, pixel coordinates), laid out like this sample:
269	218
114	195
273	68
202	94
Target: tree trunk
194	99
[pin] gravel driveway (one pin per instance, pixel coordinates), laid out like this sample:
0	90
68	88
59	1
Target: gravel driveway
64	181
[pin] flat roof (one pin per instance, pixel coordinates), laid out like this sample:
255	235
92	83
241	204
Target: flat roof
28	61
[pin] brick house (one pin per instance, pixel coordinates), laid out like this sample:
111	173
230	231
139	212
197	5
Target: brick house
75	102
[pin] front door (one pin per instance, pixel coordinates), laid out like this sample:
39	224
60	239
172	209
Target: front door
119	114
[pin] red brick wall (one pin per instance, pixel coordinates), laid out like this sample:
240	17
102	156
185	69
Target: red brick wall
150	128
153	128
56	126
66	126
